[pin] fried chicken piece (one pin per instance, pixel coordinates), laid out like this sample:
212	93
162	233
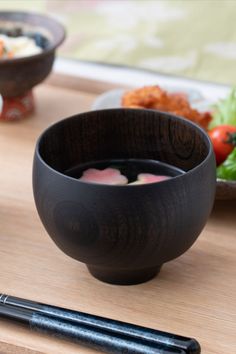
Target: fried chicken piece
153	97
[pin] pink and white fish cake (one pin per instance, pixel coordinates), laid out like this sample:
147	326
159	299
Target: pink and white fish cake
109	175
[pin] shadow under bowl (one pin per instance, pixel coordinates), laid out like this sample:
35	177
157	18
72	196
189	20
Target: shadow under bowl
19	75
124	234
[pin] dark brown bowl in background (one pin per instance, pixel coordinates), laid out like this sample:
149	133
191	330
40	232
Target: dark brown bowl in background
124	234
225	190
19	75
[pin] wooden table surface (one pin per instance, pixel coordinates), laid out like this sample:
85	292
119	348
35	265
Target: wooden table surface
193	295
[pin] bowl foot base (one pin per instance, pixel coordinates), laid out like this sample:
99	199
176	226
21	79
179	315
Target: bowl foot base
17	108
123	276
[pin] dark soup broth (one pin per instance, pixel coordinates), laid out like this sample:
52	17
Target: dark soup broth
130	168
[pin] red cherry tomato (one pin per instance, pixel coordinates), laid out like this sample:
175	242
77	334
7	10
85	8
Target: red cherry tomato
223	138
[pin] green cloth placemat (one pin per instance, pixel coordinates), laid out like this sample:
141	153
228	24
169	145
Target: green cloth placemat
195	38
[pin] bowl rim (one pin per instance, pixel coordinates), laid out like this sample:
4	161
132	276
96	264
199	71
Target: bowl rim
45	51
209	155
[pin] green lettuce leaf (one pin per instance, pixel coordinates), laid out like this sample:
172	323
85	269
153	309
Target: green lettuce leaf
228	168
224	112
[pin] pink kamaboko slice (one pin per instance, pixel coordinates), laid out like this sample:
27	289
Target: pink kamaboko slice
109	176
144	178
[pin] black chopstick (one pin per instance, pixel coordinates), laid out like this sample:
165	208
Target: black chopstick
85	335
103	325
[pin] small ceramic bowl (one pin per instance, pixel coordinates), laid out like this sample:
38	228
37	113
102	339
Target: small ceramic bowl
124	234
19	75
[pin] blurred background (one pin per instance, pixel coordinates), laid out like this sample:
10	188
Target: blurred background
194	39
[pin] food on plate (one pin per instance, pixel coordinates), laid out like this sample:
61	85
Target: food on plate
224	112
223	139
223	136
20	46
153	97
227	170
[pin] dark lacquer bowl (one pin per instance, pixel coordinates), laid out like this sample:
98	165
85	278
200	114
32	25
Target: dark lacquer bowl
124	234
19	75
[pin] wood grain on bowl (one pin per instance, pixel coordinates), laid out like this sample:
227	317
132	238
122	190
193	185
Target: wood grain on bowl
124	233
